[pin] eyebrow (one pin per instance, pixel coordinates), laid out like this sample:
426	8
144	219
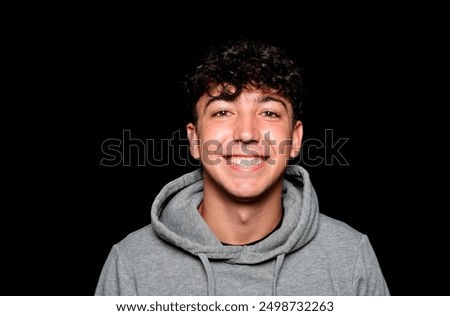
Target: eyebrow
268	98
218	98
261	99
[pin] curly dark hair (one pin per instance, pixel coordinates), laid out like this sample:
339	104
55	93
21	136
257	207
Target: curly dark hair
242	64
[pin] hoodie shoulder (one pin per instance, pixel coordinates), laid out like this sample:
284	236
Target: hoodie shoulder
138	241
350	254
337	241
334	228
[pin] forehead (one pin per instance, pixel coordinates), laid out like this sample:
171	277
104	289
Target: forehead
229	93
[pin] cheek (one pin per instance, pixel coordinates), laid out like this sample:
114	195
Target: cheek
210	132
280	141
278	136
212	142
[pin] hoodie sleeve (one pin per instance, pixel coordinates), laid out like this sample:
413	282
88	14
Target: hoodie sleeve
368	278
115	278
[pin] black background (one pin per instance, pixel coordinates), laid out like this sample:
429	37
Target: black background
370	77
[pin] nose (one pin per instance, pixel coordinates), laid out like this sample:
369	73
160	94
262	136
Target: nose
246	130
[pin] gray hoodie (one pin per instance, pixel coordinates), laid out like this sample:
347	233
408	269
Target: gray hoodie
309	254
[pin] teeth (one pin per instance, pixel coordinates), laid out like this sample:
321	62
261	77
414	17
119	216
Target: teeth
245	162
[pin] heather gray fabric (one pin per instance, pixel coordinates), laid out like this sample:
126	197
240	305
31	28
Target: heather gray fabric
310	254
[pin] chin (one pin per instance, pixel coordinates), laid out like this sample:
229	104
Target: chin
245	195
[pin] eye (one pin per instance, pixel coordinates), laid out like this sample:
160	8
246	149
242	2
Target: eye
270	114
221	113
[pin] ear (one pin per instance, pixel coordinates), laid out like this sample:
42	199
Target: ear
194	142
297	135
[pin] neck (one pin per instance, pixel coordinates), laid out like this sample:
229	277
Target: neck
239	223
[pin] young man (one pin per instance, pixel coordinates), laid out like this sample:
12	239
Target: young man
247	222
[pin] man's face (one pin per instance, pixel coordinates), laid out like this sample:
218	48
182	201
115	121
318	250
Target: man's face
244	144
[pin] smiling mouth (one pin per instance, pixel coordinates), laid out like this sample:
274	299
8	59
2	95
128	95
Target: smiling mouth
245	162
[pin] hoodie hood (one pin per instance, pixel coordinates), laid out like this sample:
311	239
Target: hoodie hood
175	218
